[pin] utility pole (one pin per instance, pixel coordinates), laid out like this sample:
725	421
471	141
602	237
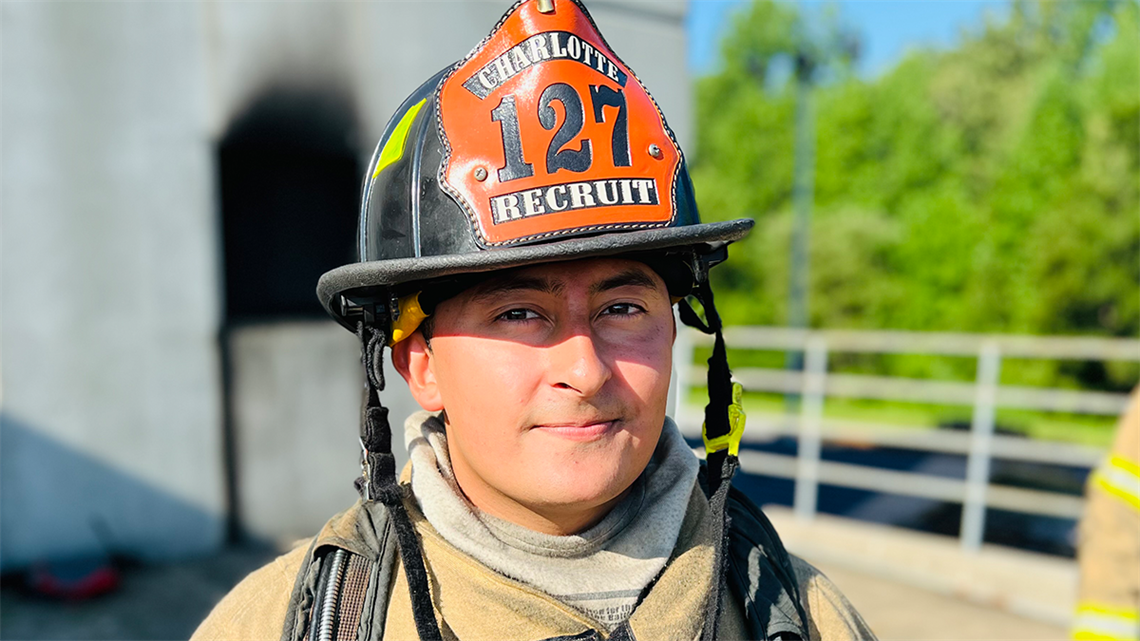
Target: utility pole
803	195
812	49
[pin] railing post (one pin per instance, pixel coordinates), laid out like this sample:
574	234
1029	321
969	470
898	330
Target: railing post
981	442
811	416
682	362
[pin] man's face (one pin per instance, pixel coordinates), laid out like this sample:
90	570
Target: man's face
554	379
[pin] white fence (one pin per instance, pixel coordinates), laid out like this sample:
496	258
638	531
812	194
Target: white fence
980	445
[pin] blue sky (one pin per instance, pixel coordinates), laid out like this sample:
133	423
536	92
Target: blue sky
887	28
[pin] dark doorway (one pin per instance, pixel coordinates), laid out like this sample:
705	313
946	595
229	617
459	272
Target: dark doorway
289	179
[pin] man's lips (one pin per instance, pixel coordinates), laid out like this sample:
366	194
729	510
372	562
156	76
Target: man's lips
578	431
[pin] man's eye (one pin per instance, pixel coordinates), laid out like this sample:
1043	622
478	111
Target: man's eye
623	309
518	315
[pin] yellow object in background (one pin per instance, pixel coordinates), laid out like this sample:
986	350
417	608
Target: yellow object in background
1108	606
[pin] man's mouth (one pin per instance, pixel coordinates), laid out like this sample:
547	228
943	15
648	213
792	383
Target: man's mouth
578	430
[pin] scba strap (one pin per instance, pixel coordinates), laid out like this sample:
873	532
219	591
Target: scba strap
378	478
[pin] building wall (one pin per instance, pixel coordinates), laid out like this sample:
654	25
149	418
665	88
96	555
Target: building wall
109	369
111	430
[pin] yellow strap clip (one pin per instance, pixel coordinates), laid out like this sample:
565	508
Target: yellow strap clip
736	418
411	315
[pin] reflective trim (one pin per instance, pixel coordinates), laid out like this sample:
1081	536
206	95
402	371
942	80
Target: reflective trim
1099	622
394	147
1121	478
736	418
1131	467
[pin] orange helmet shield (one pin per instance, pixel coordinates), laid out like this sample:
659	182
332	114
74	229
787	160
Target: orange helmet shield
547	133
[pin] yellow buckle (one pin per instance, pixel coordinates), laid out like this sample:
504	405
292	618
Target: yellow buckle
736	418
411	315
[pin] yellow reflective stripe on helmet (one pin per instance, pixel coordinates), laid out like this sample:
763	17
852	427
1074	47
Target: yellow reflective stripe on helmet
1121	478
394	147
1095	622
736	419
411	315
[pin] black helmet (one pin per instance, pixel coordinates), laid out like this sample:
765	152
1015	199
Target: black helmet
478	170
540	146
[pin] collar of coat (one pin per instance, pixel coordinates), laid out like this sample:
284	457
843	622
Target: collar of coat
473	601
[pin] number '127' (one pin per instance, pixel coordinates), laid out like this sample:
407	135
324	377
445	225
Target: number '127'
557	156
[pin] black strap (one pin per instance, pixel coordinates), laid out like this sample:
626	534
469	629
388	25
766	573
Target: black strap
761	575
721	523
378	481
721	464
719	376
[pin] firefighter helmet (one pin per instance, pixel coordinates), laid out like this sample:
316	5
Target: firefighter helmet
540	146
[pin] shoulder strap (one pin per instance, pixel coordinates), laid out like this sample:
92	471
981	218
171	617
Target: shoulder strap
339	600
343	596
760	573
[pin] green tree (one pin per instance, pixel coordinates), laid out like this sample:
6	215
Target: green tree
991	187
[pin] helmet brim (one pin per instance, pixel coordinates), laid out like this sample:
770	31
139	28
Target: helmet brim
389	273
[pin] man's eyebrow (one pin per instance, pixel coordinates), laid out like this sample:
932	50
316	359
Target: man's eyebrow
627	278
498	287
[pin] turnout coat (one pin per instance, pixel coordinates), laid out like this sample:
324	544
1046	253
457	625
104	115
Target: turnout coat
472	601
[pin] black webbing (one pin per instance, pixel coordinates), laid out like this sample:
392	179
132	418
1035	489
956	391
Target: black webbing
719	377
721	465
378	481
721	523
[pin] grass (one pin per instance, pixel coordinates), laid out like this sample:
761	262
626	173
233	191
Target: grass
1070	428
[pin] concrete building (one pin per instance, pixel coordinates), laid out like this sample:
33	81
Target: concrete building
175	176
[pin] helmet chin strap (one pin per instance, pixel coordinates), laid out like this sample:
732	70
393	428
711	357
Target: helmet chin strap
722	428
378	478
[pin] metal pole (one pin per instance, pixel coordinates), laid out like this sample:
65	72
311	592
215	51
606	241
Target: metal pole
803	185
811	418
981	444
677	405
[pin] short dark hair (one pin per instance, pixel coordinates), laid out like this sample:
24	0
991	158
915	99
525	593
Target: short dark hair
427	325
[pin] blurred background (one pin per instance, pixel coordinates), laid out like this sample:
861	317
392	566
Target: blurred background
936	317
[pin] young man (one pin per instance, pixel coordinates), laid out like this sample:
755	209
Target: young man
528	226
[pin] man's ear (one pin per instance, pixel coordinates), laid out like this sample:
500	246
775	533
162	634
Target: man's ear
413	360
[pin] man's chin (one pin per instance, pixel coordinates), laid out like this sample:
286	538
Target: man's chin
568	495
575	474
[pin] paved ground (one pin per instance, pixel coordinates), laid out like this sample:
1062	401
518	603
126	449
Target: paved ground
168	602
913	585
899	611
153	602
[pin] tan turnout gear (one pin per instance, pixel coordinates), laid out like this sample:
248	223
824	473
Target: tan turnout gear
478	603
1108	606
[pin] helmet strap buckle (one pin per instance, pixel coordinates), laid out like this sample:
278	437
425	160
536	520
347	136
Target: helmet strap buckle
393	307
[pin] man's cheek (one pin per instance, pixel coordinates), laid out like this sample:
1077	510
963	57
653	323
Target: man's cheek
483	371
641	371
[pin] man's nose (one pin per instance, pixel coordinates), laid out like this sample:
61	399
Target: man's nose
577	363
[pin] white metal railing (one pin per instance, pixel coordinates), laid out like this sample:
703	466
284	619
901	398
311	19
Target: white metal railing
980	445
